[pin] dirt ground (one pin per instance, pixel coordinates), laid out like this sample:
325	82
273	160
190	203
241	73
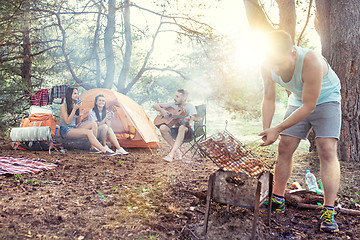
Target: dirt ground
139	196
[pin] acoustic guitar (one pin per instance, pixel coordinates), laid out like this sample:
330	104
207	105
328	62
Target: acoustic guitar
175	117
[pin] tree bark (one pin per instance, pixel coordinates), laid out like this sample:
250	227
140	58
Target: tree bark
287	15
96	47
338	26
26	44
256	16
124	74
108	45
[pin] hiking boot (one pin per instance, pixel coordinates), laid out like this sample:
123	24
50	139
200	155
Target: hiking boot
276	205
328	223
94	150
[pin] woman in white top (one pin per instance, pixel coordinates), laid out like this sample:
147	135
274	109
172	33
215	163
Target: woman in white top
102	117
68	127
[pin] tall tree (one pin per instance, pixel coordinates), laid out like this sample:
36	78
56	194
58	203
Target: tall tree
338	24
108	45
124	74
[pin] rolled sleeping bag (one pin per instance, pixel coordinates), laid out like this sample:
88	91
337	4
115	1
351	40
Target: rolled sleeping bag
27	134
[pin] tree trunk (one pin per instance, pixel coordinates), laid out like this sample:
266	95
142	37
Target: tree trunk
287	15
108	45
338	26
256	16
124	74
26	44
96	47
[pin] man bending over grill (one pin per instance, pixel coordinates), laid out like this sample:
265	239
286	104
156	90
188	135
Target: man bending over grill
183	130
314	102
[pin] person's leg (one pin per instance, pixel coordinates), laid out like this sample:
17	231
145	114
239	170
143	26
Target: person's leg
102	133
330	176
329	168
178	141
91	126
113	138
166	134
75	133
283	168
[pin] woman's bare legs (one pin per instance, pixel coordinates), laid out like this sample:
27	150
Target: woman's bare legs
102	133
86	130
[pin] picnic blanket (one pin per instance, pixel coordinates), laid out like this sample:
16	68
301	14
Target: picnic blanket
21	165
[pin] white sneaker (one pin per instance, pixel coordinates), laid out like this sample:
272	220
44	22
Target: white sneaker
121	151
168	158
108	149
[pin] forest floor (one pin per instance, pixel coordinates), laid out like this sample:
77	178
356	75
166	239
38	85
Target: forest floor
139	196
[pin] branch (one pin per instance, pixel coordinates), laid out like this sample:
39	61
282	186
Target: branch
142	69
63	48
306	23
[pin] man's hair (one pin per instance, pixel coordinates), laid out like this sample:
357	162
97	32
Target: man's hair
280	42
183	92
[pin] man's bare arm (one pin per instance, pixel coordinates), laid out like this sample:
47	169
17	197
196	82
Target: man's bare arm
161	107
312	78
268	103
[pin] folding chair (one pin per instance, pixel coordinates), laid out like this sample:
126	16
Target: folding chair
199	130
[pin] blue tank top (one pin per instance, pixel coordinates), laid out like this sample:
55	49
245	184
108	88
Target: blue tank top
330	87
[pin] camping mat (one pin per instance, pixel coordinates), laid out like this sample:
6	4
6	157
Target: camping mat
21	165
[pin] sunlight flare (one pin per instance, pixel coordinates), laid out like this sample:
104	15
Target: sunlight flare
250	49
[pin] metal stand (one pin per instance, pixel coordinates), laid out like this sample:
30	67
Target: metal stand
221	190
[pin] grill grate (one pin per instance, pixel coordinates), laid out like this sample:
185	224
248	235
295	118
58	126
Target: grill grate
230	154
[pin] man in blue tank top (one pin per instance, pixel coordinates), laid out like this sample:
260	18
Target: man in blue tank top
314	102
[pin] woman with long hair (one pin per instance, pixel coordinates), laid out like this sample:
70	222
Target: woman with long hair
68	127
102	117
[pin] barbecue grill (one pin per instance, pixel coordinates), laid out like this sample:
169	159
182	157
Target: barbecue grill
243	179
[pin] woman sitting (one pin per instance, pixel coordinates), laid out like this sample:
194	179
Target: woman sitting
102	117
68	127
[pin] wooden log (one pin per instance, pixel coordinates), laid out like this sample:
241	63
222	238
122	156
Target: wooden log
70	144
303	196
338	209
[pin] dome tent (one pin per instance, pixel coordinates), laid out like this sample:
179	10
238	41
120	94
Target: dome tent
131	125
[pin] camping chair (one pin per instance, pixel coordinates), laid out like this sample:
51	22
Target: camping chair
199	130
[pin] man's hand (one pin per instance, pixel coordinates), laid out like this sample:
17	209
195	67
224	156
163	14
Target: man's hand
269	136
165	113
188	121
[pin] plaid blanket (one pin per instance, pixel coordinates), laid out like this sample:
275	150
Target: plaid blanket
40	98
21	165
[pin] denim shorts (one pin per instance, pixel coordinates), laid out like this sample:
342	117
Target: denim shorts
325	120
64	130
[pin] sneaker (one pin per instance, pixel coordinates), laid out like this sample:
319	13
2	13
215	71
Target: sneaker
328	223
276	205
94	150
168	158
108	149
121	151
107	153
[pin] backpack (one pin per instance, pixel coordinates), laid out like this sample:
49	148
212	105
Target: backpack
35	133
40	120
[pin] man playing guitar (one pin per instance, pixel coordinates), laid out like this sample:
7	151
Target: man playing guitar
183	130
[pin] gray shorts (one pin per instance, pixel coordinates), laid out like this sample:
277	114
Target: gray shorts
325	120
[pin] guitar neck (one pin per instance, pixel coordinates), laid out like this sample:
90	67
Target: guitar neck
177	116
